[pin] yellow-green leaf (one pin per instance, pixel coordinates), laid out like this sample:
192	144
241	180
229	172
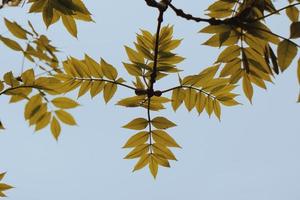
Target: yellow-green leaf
84	88
55	128
64	103
108	70
163	151
286	53
153	166
293	13
11	43
43	121
217	109
143	161
164	138
70	24
178	96
137	139
16	29
137	124
4	187
48	14
96	88
138	151
247	87
65	117
109	91
2	176
32	106
162	123
190	98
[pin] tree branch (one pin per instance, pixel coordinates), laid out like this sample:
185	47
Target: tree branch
181	13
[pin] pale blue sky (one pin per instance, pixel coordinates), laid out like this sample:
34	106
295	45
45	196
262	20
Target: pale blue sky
253	153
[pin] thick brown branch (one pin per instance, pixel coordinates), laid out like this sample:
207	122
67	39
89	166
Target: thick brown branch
181	13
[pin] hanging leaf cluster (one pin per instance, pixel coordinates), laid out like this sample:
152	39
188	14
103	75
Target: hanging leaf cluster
67	10
250	51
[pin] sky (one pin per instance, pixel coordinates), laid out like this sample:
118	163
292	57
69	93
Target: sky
253	153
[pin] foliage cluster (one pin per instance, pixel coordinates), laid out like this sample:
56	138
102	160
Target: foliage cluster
252	55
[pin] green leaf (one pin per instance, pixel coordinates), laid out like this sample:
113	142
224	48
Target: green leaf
137	124
286	53
162	123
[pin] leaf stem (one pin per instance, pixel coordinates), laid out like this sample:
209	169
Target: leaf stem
188	87
105	80
19	87
276	11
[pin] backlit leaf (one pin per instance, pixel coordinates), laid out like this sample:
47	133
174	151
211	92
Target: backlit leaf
153	166
109	91
247	87
295	30
143	161
55	128
162	123
70	24
138	151
286	53
164	138
137	139
65	117
137	124
11	43
64	103
16	29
